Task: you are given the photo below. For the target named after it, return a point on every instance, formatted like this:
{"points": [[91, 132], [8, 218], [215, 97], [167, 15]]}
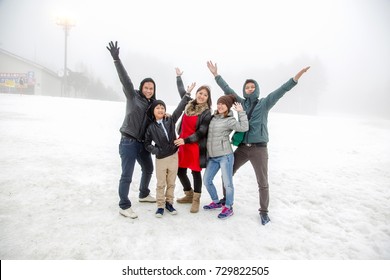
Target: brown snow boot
{"points": [[187, 198], [195, 203]]}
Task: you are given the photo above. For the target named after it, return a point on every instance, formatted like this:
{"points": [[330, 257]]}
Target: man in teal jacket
{"points": [[253, 147]]}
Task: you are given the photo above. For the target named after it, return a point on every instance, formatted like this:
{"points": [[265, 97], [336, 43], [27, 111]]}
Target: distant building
{"points": [[21, 76]]}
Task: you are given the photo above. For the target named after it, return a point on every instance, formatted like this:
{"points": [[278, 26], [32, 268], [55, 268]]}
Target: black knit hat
{"points": [[228, 100], [153, 106]]}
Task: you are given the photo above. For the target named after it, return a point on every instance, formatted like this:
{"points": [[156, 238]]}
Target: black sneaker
{"points": [[222, 201], [170, 208], [264, 218], [159, 212]]}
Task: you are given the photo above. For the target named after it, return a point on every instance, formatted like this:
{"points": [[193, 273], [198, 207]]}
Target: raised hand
{"points": [[237, 107], [213, 68], [114, 50], [178, 72], [300, 73], [190, 88]]}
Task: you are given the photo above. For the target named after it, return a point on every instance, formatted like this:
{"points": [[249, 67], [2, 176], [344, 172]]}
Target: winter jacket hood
{"points": [[148, 80], [255, 94]]}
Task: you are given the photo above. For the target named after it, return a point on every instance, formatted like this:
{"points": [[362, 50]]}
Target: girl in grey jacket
{"points": [[220, 151]]}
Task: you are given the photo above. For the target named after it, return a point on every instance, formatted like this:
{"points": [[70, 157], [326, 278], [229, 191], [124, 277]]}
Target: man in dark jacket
{"points": [[131, 147]]}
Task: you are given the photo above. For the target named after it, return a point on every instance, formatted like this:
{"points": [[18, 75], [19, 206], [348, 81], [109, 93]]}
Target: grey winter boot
{"points": [[187, 198], [195, 203]]}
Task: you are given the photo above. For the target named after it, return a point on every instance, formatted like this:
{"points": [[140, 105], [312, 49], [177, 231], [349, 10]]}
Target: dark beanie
{"points": [[153, 106], [228, 100]]}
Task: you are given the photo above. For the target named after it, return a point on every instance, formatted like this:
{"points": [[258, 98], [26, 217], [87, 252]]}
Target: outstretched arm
{"points": [[127, 84], [300, 73], [274, 96]]}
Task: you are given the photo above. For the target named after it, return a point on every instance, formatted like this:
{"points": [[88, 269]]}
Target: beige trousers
{"points": [[166, 172]]}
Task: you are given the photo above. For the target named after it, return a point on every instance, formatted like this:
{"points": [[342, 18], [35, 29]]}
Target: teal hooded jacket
{"points": [[258, 128]]}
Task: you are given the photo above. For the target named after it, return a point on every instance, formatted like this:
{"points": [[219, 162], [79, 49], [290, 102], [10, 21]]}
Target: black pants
{"points": [[185, 181]]}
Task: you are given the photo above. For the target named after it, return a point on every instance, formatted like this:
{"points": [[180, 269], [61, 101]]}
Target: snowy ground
{"points": [[59, 162]]}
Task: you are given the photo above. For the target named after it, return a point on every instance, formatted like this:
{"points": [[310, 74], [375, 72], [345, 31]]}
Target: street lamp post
{"points": [[67, 24]]}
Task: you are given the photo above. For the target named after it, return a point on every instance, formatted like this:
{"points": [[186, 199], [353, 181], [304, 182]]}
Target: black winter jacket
{"points": [[136, 118], [162, 146]]}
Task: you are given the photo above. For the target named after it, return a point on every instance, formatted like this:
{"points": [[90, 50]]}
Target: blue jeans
{"points": [[225, 163], [130, 151]]}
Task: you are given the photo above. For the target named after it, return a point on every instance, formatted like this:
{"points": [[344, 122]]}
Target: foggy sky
{"points": [[346, 42]]}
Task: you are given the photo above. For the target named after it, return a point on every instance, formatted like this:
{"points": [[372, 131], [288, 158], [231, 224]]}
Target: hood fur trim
{"points": [[193, 109]]}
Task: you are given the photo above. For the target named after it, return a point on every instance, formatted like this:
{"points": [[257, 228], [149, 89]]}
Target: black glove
{"points": [[114, 50]]}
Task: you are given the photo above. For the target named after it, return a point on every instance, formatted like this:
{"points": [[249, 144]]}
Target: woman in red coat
{"points": [[192, 142]]}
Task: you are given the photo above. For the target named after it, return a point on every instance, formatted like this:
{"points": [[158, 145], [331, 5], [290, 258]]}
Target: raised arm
{"points": [[178, 71], [180, 85], [179, 82], [128, 87], [221, 82], [242, 125]]}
